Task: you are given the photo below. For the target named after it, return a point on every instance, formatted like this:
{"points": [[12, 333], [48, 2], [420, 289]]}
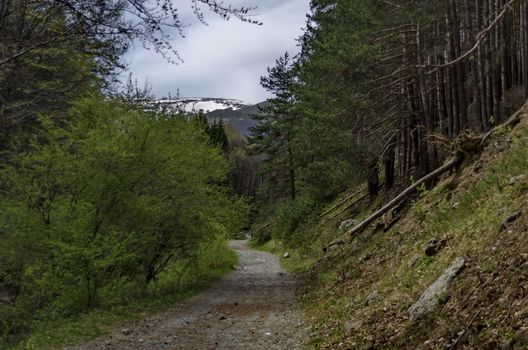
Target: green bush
{"points": [[261, 237], [95, 211], [323, 180], [292, 220]]}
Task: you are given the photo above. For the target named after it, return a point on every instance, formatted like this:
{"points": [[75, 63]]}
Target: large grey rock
{"points": [[429, 298], [347, 225]]}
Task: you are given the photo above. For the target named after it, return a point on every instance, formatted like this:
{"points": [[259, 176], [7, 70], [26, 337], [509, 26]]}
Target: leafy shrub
{"points": [[98, 209], [261, 237], [325, 179], [290, 216]]}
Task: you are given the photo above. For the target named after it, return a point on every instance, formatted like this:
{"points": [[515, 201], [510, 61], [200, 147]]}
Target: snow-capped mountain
{"points": [[233, 112], [205, 104]]}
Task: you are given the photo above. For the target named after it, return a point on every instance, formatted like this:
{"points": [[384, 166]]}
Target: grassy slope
{"points": [[56, 334], [294, 263], [467, 209]]}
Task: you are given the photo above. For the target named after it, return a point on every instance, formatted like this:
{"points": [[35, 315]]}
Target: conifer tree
{"points": [[275, 132]]}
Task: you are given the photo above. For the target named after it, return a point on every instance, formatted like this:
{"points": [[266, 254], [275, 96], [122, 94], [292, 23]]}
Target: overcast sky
{"points": [[224, 59]]}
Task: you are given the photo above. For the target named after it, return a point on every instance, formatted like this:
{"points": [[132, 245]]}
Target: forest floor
{"points": [[254, 307], [362, 295]]}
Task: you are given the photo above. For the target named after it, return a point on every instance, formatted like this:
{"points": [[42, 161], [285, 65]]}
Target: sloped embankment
{"points": [[361, 297]]}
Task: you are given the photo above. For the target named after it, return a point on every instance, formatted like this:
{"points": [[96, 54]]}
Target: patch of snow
{"points": [[194, 104]]}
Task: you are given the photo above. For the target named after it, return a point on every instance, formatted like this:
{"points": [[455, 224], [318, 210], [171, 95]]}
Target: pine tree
{"points": [[275, 132], [218, 135], [339, 142]]}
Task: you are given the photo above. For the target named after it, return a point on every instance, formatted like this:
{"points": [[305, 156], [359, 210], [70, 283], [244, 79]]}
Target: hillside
{"points": [[387, 171], [205, 104], [234, 112], [240, 119], [473, 222]]}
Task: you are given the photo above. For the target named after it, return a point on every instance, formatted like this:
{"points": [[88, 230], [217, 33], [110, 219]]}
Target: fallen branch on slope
{"points": [[406, 193], [464, 144], [402, 196], [514, 120], [348, 206], [340, 203]]}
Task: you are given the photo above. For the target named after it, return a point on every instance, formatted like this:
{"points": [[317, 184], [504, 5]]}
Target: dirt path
{"points": [[251, 308]]}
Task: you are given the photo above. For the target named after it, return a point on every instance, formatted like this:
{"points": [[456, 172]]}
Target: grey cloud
{"points": [[225, 59]]}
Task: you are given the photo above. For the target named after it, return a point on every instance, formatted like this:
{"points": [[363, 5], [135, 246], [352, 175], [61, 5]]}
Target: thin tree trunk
{"points": [[291, 169], [524, 43]]}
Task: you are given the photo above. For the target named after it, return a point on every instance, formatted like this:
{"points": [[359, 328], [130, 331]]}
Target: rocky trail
{"points": [[254, 307]]}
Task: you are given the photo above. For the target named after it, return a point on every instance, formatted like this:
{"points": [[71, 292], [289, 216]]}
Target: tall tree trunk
{"points": [[524, 43], [462, 122], [477, 89], [452, 90], [442, 114], [291, 170], [389, 162], [373, 180]]}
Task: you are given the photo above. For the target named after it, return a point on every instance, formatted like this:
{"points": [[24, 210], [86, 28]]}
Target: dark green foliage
{"points": [[291, 220], [275, 132], [261, 237], [319, 133], [323, 179], [335, 68], [216, 131], [218, 135], [244, 176], [45, 78], [201, 121], [101, 207]]}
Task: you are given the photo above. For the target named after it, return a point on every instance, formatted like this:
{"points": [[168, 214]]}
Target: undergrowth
{"points": [[467, 209], [294, 262], [179, 282]]}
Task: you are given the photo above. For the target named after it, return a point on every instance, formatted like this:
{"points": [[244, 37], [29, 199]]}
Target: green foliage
{"points": [[98, 209], [291, 218], [320, 132], [46, 65], [322, 180], [261, 237], [176, 283], [218, 135], [295, 262], [216, 131], [275, 132]]}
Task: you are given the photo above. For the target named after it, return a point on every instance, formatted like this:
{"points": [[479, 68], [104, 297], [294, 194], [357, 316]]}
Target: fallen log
{"points": [[453, 162], [265, 226], [464, 144], [511, 122], [339, 204], [348, 206]]}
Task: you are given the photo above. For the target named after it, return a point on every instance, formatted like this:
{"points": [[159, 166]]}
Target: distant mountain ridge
{"points": [[206, 104], [234, 112], [241, 119]]}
